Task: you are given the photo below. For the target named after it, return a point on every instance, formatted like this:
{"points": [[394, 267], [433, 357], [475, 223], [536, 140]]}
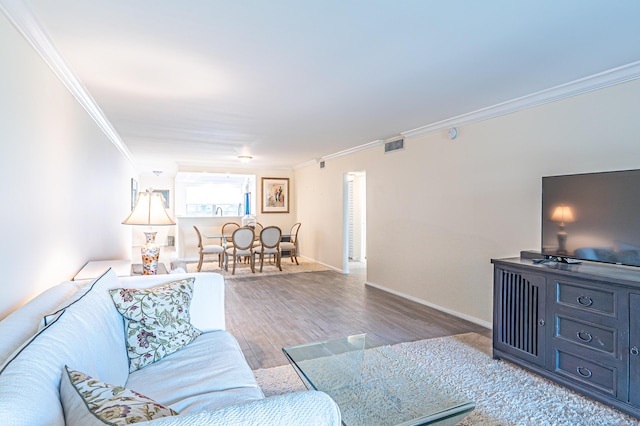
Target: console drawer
{"points": [[586, 298], [595, 375], [584, 333]]}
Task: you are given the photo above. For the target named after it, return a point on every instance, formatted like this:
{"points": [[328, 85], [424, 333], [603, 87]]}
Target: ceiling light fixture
{"points": [[244, 159]]}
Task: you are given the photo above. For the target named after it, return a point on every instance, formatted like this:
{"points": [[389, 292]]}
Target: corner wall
{"points": [[440, 210], [65, 186]]}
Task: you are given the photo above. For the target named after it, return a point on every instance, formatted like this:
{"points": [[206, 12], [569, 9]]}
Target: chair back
{"points": [[199, 236], [243, 238], [258, 230], [228, 229], [270, 237], [294, 232]]}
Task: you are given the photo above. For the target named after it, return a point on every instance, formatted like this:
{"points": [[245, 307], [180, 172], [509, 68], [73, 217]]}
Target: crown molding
{"points": [[305, 164], [23, 19], [349, 151], [587, 84], [577, 87]]}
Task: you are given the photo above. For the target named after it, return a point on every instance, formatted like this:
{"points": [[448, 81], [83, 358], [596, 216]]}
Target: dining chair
{"points": [[258, 231], [208, 250], [292, 245], [227, 233], [241, 245], [270, 245]]}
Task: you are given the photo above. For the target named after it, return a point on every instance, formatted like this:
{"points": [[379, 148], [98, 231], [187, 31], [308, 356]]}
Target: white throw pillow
{"points": [[87, 401], [157, 321]]}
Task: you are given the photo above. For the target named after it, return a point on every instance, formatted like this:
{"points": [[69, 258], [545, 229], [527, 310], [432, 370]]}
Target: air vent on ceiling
{"points": [[394, 145]]}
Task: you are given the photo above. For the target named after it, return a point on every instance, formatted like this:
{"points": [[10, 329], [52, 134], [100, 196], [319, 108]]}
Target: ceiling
{"points": [[201, 82]]}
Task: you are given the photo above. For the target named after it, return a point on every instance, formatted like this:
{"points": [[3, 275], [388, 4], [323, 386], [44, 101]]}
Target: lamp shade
{"points": [[562, 214], [149, 210]]}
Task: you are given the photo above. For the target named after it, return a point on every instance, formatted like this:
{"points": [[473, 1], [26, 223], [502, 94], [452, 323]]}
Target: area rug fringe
{"points": [[504, 394]]}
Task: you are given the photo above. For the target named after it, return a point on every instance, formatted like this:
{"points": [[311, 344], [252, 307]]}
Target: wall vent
{"points": [[322, 164], [394, 145]]}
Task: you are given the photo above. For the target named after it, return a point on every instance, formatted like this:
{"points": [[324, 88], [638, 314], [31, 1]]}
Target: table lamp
{"points": [[562, 214], [149, 210]]}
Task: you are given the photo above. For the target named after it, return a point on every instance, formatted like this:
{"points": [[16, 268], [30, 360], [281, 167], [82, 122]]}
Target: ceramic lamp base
{"points": [[150, 254]]}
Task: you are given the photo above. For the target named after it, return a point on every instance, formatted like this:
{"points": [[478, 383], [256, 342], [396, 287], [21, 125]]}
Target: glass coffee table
{"points": [[376, 386]]}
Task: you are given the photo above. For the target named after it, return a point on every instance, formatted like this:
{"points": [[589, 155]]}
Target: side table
{"points": [[136, 269], [122, 268], [92, 270]]}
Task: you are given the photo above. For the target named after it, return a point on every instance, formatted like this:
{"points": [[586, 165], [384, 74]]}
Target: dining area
{"points": [[253, 246]]}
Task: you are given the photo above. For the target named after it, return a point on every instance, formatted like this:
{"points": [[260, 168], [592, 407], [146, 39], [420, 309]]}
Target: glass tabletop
{"points": [[376, 386]]}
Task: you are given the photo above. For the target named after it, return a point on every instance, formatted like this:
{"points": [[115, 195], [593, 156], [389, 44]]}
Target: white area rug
{"points": [[503, 393]]}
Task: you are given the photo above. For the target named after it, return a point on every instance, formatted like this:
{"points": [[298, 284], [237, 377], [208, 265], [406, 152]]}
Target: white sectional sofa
{"points": [[205, 382]]}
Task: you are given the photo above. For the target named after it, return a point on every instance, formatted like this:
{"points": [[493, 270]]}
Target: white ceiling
{"points": [[200, 82]]}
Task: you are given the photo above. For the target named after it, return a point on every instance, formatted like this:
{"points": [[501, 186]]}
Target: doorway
{"points": [[355, 223]]}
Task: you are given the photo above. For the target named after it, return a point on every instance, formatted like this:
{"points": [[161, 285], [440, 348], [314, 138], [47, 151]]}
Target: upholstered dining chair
{"points": [[258, 230], [270, 245], [292, 245], [241, 245], [208, 249], [227, 233]]}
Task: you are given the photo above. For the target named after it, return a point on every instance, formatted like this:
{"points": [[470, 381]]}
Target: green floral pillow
{"points": [[106, 404], [157, 321]]}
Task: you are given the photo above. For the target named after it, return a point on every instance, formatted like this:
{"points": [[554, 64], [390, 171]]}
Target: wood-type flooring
{"points": [[265, 313]]}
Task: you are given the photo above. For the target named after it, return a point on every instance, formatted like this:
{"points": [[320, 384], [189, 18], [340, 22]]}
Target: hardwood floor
{"points": [[269, 312]]}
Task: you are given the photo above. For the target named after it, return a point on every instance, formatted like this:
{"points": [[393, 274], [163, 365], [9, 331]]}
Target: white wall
{"points": [[65, 187], [438, 211]]}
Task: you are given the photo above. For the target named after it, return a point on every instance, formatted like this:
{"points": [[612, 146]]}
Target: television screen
{"points": [[594, 216]]}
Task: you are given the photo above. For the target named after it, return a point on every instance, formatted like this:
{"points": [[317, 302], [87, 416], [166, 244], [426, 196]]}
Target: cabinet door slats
{"points": [[520, 312]]}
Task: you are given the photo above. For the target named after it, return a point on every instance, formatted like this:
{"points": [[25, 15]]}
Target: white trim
{"points": [[587, 84], [33, 31], [306, 164], [345, 223], [434, 306], [333, 268], [348, 151]]}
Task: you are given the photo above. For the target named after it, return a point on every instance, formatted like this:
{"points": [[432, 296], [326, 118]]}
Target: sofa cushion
{"points": [[89, 335], [210, 373], [157, 321], [26, 344], [23, 324], [87, 401]]}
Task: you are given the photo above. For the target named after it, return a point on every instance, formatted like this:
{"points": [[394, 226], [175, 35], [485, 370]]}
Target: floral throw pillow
{"points": [[157, 320], [106, 404]]}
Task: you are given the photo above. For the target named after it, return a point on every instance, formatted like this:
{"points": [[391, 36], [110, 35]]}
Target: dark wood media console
{"points": [[575, 324]]}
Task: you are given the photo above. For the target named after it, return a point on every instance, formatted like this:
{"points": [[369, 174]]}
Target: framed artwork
{"points": [[134, 192], [275, 195], [165, 194]]}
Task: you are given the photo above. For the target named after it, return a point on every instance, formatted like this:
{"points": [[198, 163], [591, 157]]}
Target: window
{"points": [[214, 194]]}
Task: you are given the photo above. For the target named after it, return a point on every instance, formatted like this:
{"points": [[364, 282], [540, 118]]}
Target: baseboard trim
{"points": [[333, 268], [469, 318]]}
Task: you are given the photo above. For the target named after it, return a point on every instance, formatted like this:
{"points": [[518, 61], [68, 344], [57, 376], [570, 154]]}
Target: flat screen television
{"points": [[593, 216]]}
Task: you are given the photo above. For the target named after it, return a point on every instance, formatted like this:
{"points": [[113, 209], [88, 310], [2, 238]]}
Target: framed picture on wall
{"points": [[275, 195], [165, 194], [134, 192]]}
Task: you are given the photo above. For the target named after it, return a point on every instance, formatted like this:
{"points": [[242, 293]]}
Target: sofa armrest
{"points": [[207, 305], [298, 408]]}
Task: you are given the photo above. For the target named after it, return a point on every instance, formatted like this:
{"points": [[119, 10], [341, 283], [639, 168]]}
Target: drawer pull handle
{"points": [[635, 351], [584, 372], [584, 336], [585, 300]]}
